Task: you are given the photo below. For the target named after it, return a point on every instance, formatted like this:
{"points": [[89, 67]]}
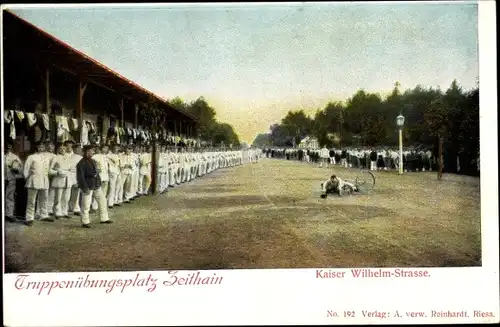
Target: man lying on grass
{"points": [[338, 186]]}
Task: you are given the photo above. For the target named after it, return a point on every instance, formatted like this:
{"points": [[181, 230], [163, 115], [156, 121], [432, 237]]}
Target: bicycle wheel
{"points": [[365, 181]]}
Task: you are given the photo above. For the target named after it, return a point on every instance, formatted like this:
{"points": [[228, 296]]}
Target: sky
{"points": [[253, 63]]}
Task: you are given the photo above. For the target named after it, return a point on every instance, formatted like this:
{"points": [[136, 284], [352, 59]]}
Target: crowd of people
{"points": [[61, 181], [364, 158]]}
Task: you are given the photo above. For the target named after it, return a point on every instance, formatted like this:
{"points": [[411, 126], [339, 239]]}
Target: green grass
{"points": [[268, 215]]}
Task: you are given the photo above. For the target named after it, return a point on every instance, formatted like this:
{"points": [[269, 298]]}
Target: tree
{"points": [[262, 140], [153, 115], [436, 117], [449, 120], [297, 125]]}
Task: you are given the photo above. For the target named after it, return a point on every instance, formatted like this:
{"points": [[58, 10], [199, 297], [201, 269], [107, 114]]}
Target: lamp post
{"points": [[400, 120]]}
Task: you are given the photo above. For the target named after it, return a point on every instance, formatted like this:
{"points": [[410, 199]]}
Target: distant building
{"points": [[309, 143]]}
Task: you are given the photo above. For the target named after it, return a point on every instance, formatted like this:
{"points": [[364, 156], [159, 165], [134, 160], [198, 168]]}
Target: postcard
{"points": [[250, 163]]}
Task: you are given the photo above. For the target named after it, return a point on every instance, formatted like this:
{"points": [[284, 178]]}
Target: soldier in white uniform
{"points": [[101, 159], [336, 185], [50, 154], [182, 162], [36, 174], [172, 167], [145, 170], [13, 169], [161, 168], [114, 175], [74, 201], [324, 157], [61, 181], [136, 153], [121, 177], [127, 162]]}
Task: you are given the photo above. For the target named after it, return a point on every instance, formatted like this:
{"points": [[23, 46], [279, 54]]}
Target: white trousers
{"points": [[104, 188], [163, 180], [144, 184], [102, 206], [126, 186], [36, 196], [134, 184], [51, 200], [112, 187], [10, 197], [373, 165], [61, 201], [171, 177], [74, 201], [119, 189]]}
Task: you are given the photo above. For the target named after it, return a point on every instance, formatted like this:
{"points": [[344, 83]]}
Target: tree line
{"points": [[209, 129], [432, 118]]}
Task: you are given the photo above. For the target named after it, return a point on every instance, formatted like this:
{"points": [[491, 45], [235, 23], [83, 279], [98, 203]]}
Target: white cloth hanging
{"points": [[20, 115], [62, 126], [46, 121], [74, 124], [84, 134], [31, 119], [7, 116], [9, 119]]}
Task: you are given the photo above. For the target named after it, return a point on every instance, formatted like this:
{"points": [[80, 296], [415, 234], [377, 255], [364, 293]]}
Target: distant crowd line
{"points": [[373, 159]]}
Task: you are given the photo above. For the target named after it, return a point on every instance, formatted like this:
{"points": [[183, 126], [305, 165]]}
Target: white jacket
{"points": [[113, 163], [75, 159], [36, 172], [127, 164], [60, 170], [102, 166], [12, 161], [145, 164]]}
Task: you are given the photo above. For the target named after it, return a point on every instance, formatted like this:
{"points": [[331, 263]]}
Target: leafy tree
{"points": [[432, 118]]}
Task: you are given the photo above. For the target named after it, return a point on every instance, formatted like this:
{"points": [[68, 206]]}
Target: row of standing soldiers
{"points": [[49, 184]]}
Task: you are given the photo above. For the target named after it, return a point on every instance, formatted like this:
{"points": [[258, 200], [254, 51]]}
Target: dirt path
{"points": [[268, 215]]}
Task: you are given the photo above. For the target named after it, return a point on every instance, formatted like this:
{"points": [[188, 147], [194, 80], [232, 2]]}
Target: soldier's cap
{"points": [[48, 142], [88, 147], [39, 143], [68, 142]]}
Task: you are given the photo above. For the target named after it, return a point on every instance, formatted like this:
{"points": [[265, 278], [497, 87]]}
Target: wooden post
{"points": [[154, 177], [81, 91], [122, 118], [47, 91], [136, 114], [440, 157]]}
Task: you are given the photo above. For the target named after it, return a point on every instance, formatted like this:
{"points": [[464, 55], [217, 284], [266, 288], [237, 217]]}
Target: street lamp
{"points": [[400, 120]]}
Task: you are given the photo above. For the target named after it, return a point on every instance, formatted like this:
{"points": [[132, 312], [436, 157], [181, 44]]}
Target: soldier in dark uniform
{"points": [[373, 160], [418, 161], [380, 161], [301, 154], [343, 158], [332, 157], [337, 158]]}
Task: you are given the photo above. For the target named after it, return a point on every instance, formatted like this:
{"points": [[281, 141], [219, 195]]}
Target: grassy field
{"points": [[268, 215]]}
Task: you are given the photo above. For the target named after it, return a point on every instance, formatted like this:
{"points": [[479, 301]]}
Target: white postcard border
{"points": [[292, 296]]}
